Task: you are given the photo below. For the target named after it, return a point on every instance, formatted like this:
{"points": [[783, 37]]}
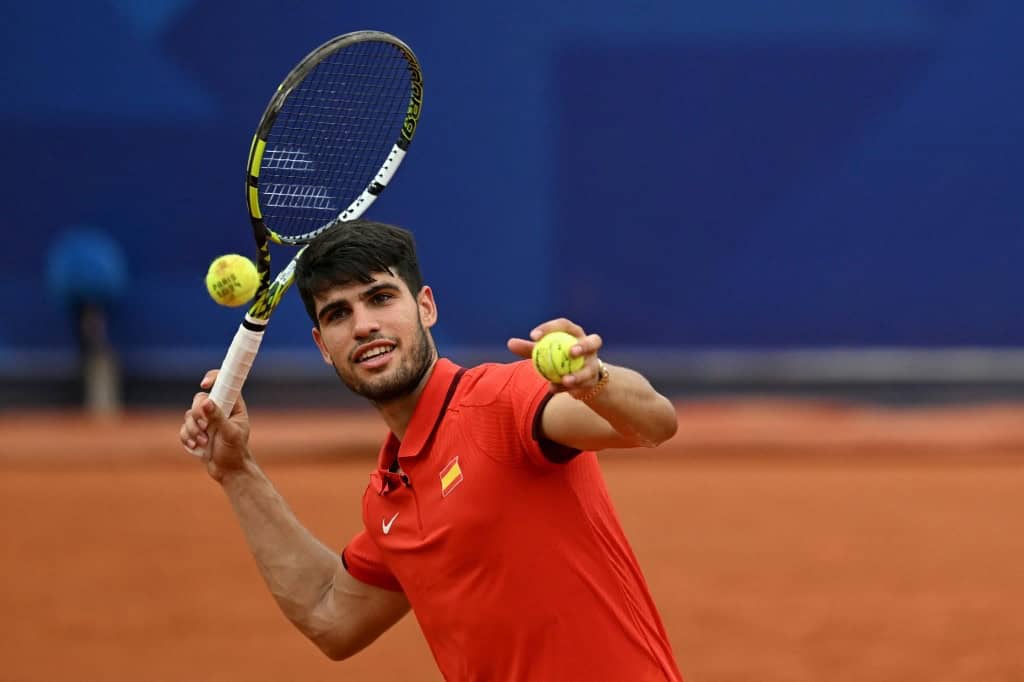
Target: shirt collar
{"points": [[425, 415]]}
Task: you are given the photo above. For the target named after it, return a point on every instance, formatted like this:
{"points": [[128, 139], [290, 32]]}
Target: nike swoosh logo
{"points": [[386, 525]]}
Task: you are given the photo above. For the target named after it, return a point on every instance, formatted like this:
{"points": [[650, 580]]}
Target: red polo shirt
{"points": [[516, 567]]}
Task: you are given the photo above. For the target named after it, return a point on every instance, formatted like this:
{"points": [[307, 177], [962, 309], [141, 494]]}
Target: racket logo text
{"points": [[412, 114]]}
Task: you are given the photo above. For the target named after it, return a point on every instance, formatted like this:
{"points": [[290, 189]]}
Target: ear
{"points": [[427, 306], [319, 341]]}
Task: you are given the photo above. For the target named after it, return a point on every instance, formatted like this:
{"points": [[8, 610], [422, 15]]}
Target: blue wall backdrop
{"points": [[669, 173]]}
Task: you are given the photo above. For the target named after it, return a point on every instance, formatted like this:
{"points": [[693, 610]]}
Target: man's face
{"points": [[375, 335]]}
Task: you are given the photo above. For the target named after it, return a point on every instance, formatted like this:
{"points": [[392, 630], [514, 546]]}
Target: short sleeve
{"points": [[503, 406], [363, 562], [529, 393]]}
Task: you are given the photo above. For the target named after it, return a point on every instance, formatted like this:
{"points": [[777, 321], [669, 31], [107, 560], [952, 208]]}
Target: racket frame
{"points": [[244, 347]]}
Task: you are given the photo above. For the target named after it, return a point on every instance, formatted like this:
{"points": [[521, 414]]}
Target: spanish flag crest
{"points": [[451, 477]]}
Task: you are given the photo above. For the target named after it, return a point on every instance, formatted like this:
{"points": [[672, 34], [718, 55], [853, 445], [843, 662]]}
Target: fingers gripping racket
{"points": [[330, 140]]}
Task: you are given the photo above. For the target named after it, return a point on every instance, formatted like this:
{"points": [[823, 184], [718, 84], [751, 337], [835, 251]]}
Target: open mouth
{"points": [[375, 352]]}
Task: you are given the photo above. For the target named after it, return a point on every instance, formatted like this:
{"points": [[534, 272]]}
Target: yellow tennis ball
{"points": [[232, 280], [551, 356]]}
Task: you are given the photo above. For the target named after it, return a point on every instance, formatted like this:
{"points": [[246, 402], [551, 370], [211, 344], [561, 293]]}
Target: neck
{"points": [[398, 412]]}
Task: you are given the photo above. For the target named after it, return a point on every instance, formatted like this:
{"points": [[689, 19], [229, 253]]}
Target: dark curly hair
{"points": [[352, 251]]}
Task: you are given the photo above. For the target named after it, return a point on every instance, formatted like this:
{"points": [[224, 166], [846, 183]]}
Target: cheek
{"points": [[411, 335], [326, 355], [330, 346]]}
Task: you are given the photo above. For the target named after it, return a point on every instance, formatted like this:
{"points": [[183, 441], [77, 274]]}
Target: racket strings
{"points": [[332, 135]]}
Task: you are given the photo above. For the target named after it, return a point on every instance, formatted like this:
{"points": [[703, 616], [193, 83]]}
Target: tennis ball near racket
{"points": [[232, 280], [551, 356]]}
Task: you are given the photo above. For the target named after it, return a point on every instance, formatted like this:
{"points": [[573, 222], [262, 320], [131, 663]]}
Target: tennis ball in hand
{"points": [[551, 356], [232, 280]]}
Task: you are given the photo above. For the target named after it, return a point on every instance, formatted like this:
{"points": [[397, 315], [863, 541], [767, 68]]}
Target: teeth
{"points": [[375, 352]]}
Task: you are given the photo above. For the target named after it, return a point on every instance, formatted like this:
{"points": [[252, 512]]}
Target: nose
{"points": [[365, 322]]}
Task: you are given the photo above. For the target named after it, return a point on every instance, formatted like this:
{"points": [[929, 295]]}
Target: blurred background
{"points": [[800, 195], [802, 219]]}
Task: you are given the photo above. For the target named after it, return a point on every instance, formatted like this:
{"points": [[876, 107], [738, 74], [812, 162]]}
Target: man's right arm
{"points": [[340, 614]]}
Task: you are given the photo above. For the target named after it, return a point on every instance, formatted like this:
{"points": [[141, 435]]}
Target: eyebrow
{"points": [[343, 302]]}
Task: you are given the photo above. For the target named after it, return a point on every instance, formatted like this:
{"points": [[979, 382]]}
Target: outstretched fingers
{"points": [[521, 347], [207, 381], [193, 433], [590, 373], [560, 324], [588, 345]]}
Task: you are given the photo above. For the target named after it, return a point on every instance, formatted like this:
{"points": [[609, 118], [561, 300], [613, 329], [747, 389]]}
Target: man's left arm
{"points": [[600, 406]]}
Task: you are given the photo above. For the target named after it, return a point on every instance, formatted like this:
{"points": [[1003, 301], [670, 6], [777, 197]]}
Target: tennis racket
{"points": [[329, 142]]}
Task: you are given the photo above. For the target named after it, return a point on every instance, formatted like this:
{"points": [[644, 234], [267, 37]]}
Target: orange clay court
{"points": [[782, 541]]}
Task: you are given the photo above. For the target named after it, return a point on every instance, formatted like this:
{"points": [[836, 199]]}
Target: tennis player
{"points": [[486, 513]]}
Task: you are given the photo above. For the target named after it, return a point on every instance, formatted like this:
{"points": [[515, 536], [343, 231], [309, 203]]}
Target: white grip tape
{"points": [[235, 368]]}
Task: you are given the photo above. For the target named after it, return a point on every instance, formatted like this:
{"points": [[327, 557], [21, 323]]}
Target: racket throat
{"points": [[254, 325]]}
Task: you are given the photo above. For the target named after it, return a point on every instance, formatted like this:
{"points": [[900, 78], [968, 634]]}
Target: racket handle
{"points": [[236, 366], [234, 370]]}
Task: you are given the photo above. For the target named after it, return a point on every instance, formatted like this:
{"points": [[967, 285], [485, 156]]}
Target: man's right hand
{"points": [[207, 433]]}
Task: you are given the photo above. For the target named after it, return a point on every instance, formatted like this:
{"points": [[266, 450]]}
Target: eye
{"points": [[337, 314], [382, 297]]}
